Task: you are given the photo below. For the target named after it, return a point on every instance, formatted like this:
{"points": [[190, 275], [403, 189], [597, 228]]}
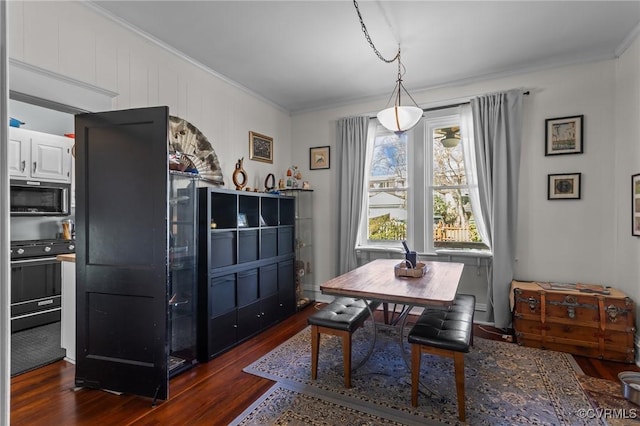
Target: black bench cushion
{"points": [[344, 313], [446, 328]]}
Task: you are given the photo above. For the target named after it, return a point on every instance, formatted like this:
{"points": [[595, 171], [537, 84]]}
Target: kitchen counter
{"points": [[68, 318]]}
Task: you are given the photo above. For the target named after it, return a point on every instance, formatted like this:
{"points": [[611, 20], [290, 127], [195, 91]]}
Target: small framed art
{"points": [[563, 135], [260, 147], [635, 205], [319, 157], [564, 186], [242, 220]]}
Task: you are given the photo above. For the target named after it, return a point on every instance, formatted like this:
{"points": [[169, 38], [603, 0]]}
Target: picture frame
{"points": [[564, 135], [320, 158], [260, 147], [635, 205], [565, 186], [242, 220]]}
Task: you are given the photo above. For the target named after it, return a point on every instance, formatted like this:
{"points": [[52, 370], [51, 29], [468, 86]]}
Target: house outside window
{"points": [[387, 188], [416, 188]]}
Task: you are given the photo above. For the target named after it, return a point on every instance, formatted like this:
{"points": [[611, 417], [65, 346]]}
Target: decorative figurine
{"points": [[239, 171], [270, 182]]}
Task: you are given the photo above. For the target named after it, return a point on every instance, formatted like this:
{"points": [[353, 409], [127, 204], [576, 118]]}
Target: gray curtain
{"points": [[351, 154], [497, 127]]}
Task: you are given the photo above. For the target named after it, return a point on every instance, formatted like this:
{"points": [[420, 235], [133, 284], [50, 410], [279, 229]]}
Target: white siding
{"points": [[73, 40]]}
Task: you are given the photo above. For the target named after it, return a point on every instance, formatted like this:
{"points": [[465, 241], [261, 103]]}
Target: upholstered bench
{"points": [[340, 318], [444, 332]]}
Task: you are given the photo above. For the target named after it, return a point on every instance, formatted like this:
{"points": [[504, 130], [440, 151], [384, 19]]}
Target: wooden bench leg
{"points": [[416, 354], [346, 356], [315, 348], [458, 362]]}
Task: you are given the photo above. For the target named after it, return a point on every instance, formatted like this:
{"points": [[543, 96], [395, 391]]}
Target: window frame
{"points": [[363, 231], [420, 185]]}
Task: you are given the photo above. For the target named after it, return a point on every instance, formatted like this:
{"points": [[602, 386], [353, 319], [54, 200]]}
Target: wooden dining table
{"points": [[377, 281]]}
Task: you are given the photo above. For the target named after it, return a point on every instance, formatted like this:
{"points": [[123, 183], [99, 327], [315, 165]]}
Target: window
{"points": [[387, 188], [417, 189]]}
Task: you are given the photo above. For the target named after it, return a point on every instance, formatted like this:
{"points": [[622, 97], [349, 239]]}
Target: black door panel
{"points": [[121, 251]]}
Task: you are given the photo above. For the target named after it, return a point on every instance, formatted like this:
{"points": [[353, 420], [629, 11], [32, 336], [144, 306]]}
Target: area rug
{"points": [[35, 347], [285, 405], [505, 384], [608, 402]]}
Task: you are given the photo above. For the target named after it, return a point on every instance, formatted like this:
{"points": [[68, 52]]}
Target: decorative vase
{"points": [[239, 171]]}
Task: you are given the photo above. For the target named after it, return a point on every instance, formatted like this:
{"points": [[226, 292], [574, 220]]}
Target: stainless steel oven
{"points": [[35, 198], [36, 282]]}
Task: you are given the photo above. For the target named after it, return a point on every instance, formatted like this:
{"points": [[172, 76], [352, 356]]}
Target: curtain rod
{"points": [[447, 106]]}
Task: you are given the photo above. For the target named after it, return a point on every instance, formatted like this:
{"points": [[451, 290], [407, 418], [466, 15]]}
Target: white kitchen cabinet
{"points": [[39, 156]]}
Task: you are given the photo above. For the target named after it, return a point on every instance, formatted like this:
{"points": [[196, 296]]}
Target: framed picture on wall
{"points": [[564, 135], [319, 158], [564, 186], [260, 147], [635, 205]]}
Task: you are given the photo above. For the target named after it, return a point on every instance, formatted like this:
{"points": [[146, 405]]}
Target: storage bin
{"points": [[268, 280], [223, 249], [285, 240], [268, 243], [247, 287], [222, 294], [248, 246]]}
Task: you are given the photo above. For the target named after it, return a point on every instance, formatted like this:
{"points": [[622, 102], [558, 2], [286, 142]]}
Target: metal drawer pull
{"points": [[613, 313], [45, 302]]}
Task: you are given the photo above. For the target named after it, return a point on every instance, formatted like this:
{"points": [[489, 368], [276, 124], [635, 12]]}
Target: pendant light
{"points": [[398, 118]]}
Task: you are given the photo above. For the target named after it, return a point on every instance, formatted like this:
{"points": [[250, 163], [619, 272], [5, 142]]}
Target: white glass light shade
{"points": [[399, 119]]}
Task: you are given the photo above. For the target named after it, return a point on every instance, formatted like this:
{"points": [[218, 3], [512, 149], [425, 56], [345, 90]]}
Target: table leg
{"points": [[373, 341]]}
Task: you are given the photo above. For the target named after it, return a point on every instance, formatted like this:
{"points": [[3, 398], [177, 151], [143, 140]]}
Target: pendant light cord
{"points": [[368, 37]]}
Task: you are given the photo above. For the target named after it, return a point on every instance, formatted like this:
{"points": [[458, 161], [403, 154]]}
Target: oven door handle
{"points": [[33, 260]]}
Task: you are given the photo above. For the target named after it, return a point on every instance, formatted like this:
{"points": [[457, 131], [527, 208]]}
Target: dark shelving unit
{"points": [[246, 266]]}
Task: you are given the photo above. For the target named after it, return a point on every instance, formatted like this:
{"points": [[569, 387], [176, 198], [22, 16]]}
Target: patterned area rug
{"points": [[505, 385], [608, 402]]}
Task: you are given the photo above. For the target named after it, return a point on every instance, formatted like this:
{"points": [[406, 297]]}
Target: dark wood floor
{"points": [[213, 393]]}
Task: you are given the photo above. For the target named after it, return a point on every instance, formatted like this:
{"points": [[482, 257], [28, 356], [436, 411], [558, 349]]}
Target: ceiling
{"points": [[307, 55]]}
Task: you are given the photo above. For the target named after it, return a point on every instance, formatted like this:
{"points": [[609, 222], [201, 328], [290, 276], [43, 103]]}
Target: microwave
{"points": [[35, 198]]}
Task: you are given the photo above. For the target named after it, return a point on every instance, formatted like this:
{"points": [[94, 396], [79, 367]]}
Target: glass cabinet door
{"points": [[183, 264], [304, 263]]}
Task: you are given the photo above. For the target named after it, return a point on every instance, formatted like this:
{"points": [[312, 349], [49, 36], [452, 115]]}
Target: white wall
{"points": [[565, 241], [72, 40], [626, 273], [585, 240]]}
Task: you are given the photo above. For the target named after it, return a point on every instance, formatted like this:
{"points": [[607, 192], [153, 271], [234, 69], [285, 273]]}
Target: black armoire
{"points": [[124, 295]]}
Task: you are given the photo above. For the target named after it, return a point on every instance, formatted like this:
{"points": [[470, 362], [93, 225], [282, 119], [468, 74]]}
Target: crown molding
{"points": [[172, 50]]}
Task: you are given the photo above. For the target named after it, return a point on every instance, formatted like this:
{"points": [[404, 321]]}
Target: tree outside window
{"points": [[387, 188], [453, 219]]}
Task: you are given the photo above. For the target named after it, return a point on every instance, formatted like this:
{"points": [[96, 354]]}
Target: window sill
{"points": [[485, 254]]}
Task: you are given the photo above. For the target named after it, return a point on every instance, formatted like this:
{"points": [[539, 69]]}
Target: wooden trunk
{"points": [[587, 324]]}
